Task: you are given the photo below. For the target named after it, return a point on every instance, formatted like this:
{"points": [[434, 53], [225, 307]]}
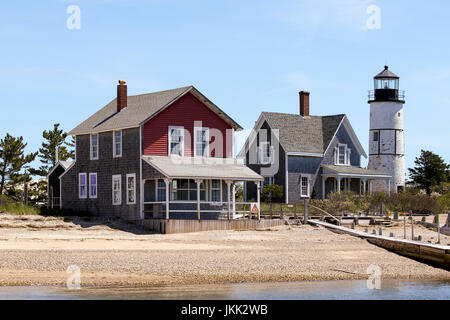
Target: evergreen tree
{"points": [[54, 139], [13, 160], [430, 170]]}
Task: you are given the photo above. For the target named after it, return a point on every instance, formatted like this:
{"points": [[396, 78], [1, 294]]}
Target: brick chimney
{"points": [[121, 95], [304, 103]]}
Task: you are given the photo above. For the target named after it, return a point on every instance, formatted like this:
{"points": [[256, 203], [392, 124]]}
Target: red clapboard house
{"points": [[166, 154]]}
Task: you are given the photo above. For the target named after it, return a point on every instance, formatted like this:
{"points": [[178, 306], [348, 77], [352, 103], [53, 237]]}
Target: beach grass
{"points": [[16, 208]]}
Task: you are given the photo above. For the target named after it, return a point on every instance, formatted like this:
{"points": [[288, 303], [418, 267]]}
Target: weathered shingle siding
{"points": [[298, 166], [105, 167], [279, 168]]}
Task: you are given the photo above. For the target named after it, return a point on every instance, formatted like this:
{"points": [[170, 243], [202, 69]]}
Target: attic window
{"points": [[342, 155]]}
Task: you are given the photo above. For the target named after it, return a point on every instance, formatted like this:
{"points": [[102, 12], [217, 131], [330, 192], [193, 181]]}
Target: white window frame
{"points": [[92, 147], [90, 185], [170, 139], [347, 152], [115, 176], [133, 175], [201, 129], [301, 186], [80, 196], [261, 154], [115, 155]]}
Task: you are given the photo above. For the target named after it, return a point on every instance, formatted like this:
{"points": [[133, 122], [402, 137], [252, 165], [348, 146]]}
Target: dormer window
{"points": [[117, 144], [265, 153], [94, 146], [201, 142], [342, 155]]}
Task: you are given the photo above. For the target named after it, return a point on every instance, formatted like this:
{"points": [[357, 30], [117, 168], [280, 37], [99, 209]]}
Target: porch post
{"points": [[198, 198], [323, 187], [167, 182], [229, 198], [258, 198], [233, 194], [339, 184], [364, 180]]}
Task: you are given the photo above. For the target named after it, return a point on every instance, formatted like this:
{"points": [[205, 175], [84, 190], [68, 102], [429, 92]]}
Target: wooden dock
{"points": [[184, 226], [433, 254]]}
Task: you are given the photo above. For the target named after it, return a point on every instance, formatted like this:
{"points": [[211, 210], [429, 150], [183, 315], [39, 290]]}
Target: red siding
{"points": [[183, 113]]}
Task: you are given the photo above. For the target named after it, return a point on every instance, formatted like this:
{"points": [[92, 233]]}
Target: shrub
{"points": [[272, 193]]}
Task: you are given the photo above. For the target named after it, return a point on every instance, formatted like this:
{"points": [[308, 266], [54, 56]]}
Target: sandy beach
{"points": [[37, 250]]}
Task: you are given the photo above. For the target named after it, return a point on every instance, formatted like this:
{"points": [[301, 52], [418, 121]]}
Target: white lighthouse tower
{"points": [[386, 138]]}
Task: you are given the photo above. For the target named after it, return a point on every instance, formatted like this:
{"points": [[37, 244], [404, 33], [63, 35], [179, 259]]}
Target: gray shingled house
{"points": [[306, 154]]}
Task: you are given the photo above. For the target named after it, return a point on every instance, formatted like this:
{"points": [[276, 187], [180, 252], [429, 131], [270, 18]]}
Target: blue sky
{"points": [[246, 56]]}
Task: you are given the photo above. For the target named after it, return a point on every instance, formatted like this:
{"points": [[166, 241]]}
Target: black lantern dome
{"points": [[386, 87]]}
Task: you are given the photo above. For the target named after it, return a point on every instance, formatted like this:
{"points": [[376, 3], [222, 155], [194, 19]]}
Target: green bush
{"points": [[272, 193]]}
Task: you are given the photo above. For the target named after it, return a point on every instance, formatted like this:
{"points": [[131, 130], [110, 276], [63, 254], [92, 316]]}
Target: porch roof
{"points": [[201, 168], [352, 171]]}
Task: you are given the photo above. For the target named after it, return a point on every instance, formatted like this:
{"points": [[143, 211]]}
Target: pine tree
{"points": [[54, 139], [13, 160], [430, 170]]}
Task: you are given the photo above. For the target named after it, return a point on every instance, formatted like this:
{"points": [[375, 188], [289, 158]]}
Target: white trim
{"points": [[114, 144], [305, 154], [196, 129], [170, 139], [115, 176], [85, 185], [91, 146], [131, 175], [90, 184]]}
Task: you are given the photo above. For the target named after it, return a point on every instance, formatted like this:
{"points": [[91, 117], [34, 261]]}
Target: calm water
{"points": [[354, 289]]}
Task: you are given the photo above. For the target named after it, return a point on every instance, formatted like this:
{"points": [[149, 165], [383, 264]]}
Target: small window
{"points": [[304, 186], [176, 141], [161, 190], [94, 146], [268, 181], [116, 189], [82, 186], [265, 153], [131, 188], [92, 185], [201, 138], [215, 190], [117, 146], [376, 136]]}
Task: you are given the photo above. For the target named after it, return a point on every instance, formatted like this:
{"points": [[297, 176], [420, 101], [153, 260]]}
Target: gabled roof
{"points": [[304, 135], [141, 108]]}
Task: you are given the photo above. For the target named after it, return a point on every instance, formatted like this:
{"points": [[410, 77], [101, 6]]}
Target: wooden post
{"points": [[198, 198], [167, 182], [306, 211], [228, 198], [404, 226]]}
